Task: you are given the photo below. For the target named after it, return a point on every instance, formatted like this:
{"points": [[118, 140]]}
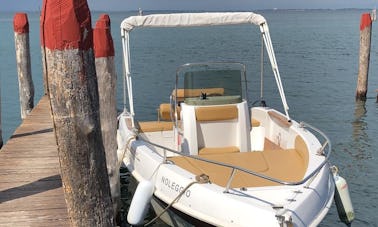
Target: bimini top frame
{"points": [[196, 20]]}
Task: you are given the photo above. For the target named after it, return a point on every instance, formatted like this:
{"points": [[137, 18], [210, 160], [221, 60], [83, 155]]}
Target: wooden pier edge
{"points": [[31, 191]]}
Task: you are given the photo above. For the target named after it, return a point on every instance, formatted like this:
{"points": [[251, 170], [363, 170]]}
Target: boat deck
{"points": [[288, 165], [31, 191]]}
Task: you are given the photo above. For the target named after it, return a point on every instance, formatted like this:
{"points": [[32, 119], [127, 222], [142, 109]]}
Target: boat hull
{"points": [[302, 205]]}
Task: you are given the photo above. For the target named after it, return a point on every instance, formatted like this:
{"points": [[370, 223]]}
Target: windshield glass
{"points": [[210, 83]]}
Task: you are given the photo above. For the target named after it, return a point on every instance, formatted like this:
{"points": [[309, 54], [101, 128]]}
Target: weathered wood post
{"points": [[72, 83], [363, 69], [107, 78], [25, 82]]}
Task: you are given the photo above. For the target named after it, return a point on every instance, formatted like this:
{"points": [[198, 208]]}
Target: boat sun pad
{"points": [[283, 164]]}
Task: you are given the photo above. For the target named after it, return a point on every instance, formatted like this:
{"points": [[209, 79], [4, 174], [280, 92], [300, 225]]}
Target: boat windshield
{"points": [[210, 83]]}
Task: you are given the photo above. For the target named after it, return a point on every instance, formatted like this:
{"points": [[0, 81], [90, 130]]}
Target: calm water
{"points": [[317, 53]]}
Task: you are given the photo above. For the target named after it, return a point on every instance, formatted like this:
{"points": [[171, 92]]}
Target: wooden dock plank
{"points": [[31, 191]]}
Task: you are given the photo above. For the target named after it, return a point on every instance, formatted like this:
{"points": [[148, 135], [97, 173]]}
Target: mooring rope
{"points": [[125, 150]]}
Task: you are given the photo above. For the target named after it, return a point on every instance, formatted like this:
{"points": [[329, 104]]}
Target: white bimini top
{"points": [[191, 20]]}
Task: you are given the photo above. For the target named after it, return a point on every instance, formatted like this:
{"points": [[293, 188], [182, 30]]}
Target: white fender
{"points": [[140, 203], [342, 200]]}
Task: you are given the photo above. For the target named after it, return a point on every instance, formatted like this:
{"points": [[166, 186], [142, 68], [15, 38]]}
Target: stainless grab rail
{"points": [[326, 144]]}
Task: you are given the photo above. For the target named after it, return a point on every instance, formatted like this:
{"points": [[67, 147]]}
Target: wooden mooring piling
{"points": [[107, 81], [25, 82], [364, 55], [73, 92]]}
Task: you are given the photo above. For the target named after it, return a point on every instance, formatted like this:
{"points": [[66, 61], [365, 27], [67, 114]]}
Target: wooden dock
{"points": [[31, 191]]}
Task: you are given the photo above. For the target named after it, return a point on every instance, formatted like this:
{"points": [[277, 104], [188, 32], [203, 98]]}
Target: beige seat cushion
{"points": [[155, 126], [165, 112], [216, 113], [218, 150]]}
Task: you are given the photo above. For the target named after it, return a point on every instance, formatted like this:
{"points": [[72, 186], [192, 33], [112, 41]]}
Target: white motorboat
{"points": [[212, 158]]}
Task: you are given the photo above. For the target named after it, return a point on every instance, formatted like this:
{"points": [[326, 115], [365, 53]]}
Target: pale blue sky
{"points": [[221, 5]]}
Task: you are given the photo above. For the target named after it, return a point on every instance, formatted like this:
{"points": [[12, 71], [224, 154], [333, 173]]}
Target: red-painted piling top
{"points": [[21, 23], [102, 38], [103, 21], [66, 26], [365, 21]]}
